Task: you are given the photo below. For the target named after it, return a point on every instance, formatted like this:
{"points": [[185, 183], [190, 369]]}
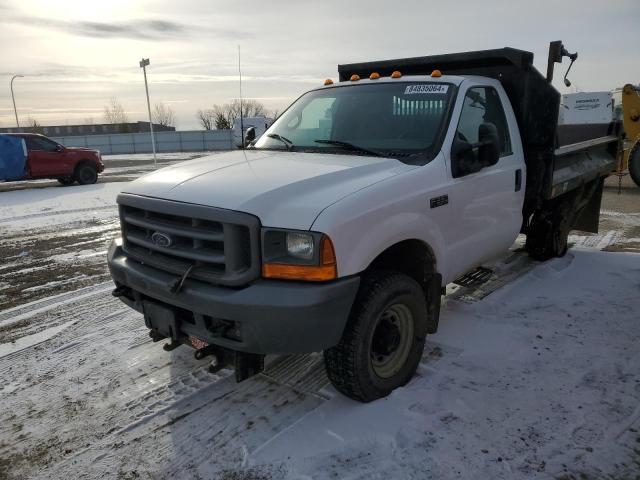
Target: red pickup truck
{"points": [[49, 159]]}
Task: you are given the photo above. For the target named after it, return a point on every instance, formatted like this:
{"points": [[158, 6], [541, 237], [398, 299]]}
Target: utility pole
{"points": [[143, 64], [241, 119], [14, 99]]}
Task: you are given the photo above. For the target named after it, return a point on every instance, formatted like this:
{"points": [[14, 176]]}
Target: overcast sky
{"points": [[76, 54]]}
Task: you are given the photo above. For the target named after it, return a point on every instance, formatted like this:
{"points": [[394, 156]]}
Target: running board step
{"points": [[474, 278]]}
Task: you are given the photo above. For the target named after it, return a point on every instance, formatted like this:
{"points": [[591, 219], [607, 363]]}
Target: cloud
{"points": [[137, 29]]}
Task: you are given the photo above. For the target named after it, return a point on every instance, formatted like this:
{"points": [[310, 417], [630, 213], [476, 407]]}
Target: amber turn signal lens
{"points": [[436, 73], [354, 78], [308, 273], [374, 76], [396, 74], [327, 270], [328, 81], [327, 253]]}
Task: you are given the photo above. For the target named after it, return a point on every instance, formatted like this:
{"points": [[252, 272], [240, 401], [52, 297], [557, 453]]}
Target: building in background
{"points": [[90, 129]]}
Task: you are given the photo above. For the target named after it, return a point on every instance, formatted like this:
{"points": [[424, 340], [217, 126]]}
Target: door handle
{"points": [[518, 179]]}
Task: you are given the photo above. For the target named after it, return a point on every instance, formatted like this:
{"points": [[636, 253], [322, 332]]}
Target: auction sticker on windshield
{"points": [[426, 88]]}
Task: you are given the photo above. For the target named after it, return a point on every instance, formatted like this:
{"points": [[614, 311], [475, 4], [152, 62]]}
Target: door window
{"points": [[41, 144], [483, 105]]}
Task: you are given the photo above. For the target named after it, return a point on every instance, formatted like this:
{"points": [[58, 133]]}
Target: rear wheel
{"points": [[86, 174], [634, 164], [383, 340], [66, 181], [547, 237]]}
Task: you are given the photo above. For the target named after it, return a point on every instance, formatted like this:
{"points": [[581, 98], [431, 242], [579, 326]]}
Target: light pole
{"points": [[143, 64], [14, 98]]}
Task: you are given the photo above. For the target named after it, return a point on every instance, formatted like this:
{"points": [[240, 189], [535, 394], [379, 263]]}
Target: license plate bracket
{"points": [[161, 319]]}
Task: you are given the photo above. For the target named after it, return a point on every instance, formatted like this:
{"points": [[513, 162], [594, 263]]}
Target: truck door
{"points": [[486, 204], [45, 158]]}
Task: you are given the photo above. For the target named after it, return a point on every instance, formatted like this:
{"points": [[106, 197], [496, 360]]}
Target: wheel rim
{"points": [[86, 174], [392, 339]]}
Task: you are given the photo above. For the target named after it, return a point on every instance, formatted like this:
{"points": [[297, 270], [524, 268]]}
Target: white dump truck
{"points": [[339, 228]]}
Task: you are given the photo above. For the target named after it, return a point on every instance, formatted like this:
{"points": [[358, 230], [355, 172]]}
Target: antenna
{"points": [[241, 119]]}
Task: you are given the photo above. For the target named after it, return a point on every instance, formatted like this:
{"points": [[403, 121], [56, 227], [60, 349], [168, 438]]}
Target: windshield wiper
{"points": [[350, 146], [288, 143]]}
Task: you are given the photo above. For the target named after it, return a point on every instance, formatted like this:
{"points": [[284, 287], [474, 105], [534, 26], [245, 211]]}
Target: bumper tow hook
{"points": [[204, 352], [167, 347], [120, 291]]}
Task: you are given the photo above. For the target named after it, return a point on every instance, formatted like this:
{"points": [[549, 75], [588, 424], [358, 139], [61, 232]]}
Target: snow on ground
{"points": [[539, 379], [148, 157], [24, 209], [534, 374]]}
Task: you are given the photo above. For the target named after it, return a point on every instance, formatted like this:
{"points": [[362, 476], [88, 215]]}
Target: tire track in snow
{"points": [[58, 212], [102, 386]]}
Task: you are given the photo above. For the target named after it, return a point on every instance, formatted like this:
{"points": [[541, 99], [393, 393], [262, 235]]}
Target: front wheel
{"points": [[383, 340], [86, 174]]}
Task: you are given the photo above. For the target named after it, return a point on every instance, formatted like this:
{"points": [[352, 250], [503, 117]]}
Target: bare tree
{"points": [[206, 119], [114, 113], [222, 116], [163, 115]]}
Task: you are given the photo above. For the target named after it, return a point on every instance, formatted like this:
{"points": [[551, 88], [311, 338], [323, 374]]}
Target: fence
{"points": [[188, 141]]}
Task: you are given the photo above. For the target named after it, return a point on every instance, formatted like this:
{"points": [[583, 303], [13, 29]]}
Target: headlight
{"points": [[297, 255], [300, 245]]}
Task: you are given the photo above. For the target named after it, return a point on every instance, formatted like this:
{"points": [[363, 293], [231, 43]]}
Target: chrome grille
{"points": [[220, 245]]}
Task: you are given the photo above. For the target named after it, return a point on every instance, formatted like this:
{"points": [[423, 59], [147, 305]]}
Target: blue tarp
{"points": [[13, 158]]}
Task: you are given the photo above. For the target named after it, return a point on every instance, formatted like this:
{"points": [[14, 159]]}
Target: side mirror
{"points": [[250, 136], [59, 148], [469, 158], [488, 145]]}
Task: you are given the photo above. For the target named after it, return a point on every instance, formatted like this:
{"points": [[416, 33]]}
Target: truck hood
{"points": [[283, 189]]}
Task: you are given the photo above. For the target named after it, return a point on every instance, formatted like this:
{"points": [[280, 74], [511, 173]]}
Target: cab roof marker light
{"points": [[436, 74], [396, 74], [374, 76], [354, 78], [328, 81]]}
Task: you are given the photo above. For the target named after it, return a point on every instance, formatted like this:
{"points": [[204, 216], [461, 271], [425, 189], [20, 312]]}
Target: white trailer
{"points": [[259, 123]]}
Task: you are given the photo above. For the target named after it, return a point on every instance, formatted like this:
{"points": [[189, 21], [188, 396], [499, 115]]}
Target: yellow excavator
{"points": [[630, 157]]}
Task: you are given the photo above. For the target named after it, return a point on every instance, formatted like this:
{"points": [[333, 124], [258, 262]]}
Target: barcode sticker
{"points": [[426, 88]]}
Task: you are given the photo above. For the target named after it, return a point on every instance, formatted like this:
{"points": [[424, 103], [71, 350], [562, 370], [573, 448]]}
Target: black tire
{"points": [[66, 181], [634, 164], [356, 366], [547, 239], [86, 174]]}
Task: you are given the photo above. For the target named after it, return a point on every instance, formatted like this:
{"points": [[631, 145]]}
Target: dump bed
{"points": [[552, 168]]}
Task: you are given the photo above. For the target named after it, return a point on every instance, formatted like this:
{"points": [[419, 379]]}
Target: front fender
{"points": [[366, 223]]}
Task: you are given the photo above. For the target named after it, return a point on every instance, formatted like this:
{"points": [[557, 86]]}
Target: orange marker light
{"points": [[396, 74], [354, 78], [328, 81], [374, 76], [436, 73]]}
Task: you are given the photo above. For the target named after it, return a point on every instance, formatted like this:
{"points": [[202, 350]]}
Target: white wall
{"points": [[188, 141]]}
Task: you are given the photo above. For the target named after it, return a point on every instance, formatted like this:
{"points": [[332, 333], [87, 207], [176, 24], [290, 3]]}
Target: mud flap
{"points": [[434, 290], [589, 217]]}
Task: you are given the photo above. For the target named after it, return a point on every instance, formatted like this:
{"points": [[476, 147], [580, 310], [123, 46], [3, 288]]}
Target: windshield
{"points": [[402, 120]]}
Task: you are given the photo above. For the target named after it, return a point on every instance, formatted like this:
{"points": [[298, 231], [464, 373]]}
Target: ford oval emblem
{"points": [[161, 239]]}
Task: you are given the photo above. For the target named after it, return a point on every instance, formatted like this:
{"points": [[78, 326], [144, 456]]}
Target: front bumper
{"points": [[273, 316]]}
